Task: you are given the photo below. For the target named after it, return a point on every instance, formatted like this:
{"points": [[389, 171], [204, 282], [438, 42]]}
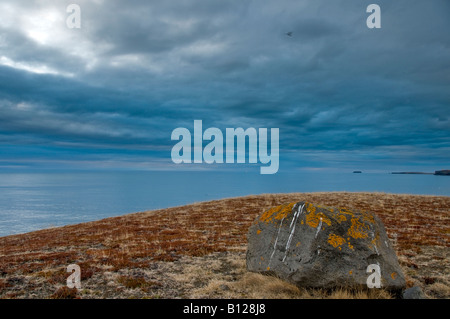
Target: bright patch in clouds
{"points": [[44, 26], [33, 68]]}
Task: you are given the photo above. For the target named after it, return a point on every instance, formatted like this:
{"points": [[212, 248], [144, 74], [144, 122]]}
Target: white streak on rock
{"points": [[318, 228], [292, 229], [297, 213], [275, 244], [374, 245]]}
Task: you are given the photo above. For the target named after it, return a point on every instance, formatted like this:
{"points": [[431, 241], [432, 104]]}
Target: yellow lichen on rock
{"points": [[313, 218], [341, 218], [277, 213], [358, 230], [367, 217], [376, 239], [336, 240], [345, 211], [310, 208]]}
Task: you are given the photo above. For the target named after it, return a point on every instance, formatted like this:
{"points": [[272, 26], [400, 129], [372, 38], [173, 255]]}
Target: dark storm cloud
{"points": [[138, 69]]}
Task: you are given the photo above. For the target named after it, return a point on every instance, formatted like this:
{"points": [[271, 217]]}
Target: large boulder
{"points": [[318, 247]]}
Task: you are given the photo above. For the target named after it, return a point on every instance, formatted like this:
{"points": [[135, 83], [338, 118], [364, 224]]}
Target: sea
{"points": [[36, 200]]}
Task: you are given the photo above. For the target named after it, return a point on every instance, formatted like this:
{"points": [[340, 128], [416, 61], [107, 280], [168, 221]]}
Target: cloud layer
{"points": [[341, 94]]}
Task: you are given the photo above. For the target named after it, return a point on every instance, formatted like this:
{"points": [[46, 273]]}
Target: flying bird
{"points": [[289, 34]]}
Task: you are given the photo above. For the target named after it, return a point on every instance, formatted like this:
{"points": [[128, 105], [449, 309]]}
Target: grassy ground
{"points": [[198, 251]]}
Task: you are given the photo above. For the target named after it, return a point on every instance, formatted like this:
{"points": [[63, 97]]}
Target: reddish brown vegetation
{"points": [[65, 293], [137, 240]]}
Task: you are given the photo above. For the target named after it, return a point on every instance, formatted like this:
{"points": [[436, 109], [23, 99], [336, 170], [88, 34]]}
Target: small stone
{"points": [[224, 287], [414, 293]]}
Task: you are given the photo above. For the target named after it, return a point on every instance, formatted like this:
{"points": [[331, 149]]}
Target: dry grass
{"points": [[189, 251]]}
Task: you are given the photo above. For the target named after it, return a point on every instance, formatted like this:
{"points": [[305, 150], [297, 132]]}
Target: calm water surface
{"points": [[32, 201]]}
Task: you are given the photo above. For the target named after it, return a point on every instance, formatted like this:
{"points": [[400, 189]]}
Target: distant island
{"points": [[442, 172], [412, 173], [357, 172]]}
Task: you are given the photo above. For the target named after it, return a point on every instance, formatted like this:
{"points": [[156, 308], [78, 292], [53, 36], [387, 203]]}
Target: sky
{"points": [[109, 94]]}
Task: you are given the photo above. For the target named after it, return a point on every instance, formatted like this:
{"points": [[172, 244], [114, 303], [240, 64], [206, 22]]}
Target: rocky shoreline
{"points": [[442, 173]]}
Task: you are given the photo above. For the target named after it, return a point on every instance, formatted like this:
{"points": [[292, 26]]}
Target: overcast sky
{"points": [[109, 95]]}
